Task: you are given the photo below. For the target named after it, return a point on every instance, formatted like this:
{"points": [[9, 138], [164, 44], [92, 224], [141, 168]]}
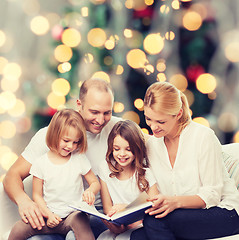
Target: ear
{"points": [[180, 113], [79, 105]]}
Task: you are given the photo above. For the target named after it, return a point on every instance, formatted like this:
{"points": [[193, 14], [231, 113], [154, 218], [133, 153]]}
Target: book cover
{"points": [[133, 212]]}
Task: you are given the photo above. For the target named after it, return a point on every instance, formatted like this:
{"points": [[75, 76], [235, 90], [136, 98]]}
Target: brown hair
{"points": [[132, 133], [60, 123], [165, 98], [97, 83]]}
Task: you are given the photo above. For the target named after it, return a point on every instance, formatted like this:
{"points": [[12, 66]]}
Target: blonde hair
{"points": [[132, 133], [60, 123], [165, 98]]}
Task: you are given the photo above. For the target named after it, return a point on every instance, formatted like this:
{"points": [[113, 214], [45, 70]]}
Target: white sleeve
{"points": [[150, 177], [36, 168], [84, 163], [211, 170], [36, 147], [104, 171]]}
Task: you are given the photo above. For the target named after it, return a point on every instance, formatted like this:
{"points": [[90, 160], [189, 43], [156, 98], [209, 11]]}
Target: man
{"points": [[95, 104]]}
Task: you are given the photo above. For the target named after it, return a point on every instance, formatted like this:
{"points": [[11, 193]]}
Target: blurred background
{"points": [[47, 48]]}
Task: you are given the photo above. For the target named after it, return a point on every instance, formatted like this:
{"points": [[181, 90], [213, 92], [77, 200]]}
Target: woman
{"points": [[197, 199]]}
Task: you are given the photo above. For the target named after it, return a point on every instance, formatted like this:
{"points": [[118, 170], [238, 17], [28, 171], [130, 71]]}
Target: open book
{"points": [[131, 213]]}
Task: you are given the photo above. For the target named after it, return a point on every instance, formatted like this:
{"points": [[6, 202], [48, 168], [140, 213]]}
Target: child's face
{"points": [[121, 152], [68, 142]]}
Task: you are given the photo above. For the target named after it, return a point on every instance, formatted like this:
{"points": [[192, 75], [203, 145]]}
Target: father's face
{"points": [[96, 109]]}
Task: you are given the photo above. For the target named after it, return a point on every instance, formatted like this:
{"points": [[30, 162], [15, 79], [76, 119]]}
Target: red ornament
{"points": [[194, 71]]}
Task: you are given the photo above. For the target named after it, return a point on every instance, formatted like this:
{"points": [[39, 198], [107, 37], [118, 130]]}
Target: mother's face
{"points": [[161, 124]]}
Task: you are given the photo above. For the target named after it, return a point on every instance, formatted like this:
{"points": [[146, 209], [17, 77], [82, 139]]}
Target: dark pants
{"points": [[184, 224]]}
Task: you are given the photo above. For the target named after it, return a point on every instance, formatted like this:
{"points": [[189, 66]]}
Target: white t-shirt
{"points": [[198, 168], [63, 184], [123, 191], [97, 145]]}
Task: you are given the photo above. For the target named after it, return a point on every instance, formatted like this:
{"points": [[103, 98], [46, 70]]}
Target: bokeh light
{"points": [[7, 129], [236, 137], [71, 37], [118, 107], [55, 101], [136, 58], [179, 81], [7, 100], [192, 21], [18, 109], [227, 122], [63, 53], [40, 25], [153, 44], [202, 121], [12, 71], [131, 115], [2, 38], [139, 104], [96, 37], [7, 159], [102, 75], [206, 83], [60, 87]]}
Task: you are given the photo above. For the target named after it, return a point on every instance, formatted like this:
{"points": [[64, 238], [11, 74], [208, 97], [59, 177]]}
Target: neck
{"points": [[127, 172]]}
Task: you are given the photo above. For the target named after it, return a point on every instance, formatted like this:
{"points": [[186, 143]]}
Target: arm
{"points": [[13, 185], [93, 189], [37, 194]]}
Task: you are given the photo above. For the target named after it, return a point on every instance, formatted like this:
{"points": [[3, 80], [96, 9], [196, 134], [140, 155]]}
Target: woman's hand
{"points": [[89, 197], [162, 205], [53, 220]]}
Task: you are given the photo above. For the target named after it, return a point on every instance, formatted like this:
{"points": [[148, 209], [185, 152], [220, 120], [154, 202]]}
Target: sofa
{"points": [[9, 212]]}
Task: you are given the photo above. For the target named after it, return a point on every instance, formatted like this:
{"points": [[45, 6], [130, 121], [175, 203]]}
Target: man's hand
{"points": [[30, 213], [116, 229]]}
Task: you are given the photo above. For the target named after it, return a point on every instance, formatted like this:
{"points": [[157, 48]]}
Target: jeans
{"points": [[191, 224]]}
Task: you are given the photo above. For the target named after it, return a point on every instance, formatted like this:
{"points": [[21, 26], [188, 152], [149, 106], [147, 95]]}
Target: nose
{"points": [[69, 145], [100, 119], [122, 153], [153, 126]]}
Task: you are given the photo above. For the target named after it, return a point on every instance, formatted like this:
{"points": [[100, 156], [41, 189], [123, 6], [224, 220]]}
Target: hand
{"points": [[116, 208], [30, 213], [116, 229], [162, 205], [89, 197], [53, 220]]}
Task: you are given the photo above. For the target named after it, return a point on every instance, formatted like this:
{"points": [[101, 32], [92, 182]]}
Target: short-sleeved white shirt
{"points": [[198, 168], [97, 145], [63, 184], [123, 191]]}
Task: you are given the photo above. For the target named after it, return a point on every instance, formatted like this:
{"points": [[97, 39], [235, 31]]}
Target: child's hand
{"points": [[116, 208], [53, 220], [88, 196]]}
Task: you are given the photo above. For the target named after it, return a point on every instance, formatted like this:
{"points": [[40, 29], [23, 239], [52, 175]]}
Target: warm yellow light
{"points": [[84, 11], [118, 107], [8, 159], [129, 4], [71, 37], [131, 115], [97, 1], [227, 122], [164, 9], [232, 51], [206, 83], [236, 137], [60, 87], [149, 2], [63, 53], [23, 125], [202, 121], [192, 21], [161, 77], [31, 7], [175, 4], [2, 38], [119, 70], [18, 109], [12, 71], [9, 85], [136, 58], [179, 81], [133, 38], [161, 66], [7, 100], [40, 25], [139, 104], [55, 101], [3, 63], [64, 67], [7, 129], [128, 33], [153, 43], [88, 58], [145, 130], [170, 35], [96, 37], [109, 44], [149, 69], [102, 75]]}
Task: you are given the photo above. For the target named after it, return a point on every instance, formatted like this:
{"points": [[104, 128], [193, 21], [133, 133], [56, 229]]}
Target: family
{"points": [[180, 167]]}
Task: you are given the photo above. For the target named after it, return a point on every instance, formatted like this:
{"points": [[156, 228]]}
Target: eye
{"points": [[65, 140], [160, 122], [115, 149]]}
